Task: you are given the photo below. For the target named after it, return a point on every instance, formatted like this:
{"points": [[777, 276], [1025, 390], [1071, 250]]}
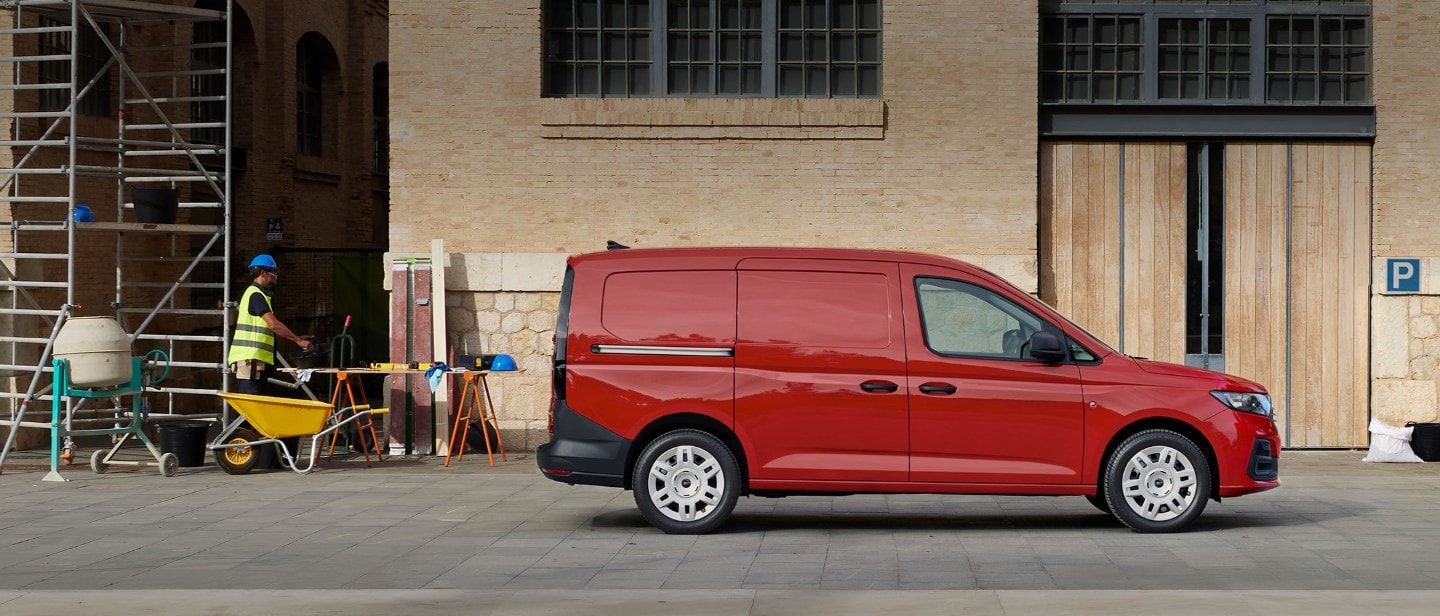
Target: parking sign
{"points": [[1402, 275]]}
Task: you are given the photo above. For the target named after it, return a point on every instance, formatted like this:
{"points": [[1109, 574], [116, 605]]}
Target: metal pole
{"points": [[225, 202], [74, 149], [34, 382], [1202, 252]]}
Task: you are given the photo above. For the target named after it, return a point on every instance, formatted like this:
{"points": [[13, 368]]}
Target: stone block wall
{"points": [[1405, 350]]}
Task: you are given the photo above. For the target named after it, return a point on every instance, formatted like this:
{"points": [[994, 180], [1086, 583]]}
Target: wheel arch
{"points": [[691, 421], [1162, 423]]}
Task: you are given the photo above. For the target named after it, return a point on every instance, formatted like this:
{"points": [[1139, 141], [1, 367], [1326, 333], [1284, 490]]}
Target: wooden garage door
{"points": [[1320, 379], [1295, 260], [1113, 242]]}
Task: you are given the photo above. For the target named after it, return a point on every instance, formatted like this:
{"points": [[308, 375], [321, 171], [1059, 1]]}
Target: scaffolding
{"points": [[156, 79]]}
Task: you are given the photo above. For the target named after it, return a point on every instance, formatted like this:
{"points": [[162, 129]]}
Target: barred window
{"points": [[92, 56], [1204, 59], [1206, 51], [1315, 59], [709, 48], [208, 55], [309, 81], [1097, 58]]}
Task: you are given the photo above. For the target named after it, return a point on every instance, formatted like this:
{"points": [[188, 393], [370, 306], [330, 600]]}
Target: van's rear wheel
{"points": [[686, 482], [1157, 482]]}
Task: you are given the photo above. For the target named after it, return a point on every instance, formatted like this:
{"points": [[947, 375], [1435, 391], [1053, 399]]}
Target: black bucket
{"points": [[269, 454], [185, 440], [155, 205], [1425, 440]]}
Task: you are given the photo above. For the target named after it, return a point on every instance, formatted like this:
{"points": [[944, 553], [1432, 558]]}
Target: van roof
{"points": [[731, 255]]}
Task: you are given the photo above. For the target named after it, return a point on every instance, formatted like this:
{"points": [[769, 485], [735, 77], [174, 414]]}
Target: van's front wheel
{"points": [[1157, 481], [686, 482]]}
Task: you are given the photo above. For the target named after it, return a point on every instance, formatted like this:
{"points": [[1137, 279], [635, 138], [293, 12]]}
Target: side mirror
{"points": [[1047, 347]]}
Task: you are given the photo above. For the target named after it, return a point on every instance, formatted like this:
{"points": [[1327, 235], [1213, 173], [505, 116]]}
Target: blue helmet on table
{"points": [[503, 363]]}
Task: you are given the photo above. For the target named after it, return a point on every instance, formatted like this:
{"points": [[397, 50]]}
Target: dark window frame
{"points": [[742, 49], [309, 104], [89, 61], [208, 58], [380, 118], [1259, 13]]}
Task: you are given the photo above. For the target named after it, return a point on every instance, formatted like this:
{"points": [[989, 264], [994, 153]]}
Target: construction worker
{"points": [[252, 352]]}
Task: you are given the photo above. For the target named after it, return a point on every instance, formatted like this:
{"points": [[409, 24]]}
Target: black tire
{"points": [[686, 482], [1157, 481], [238, 460]]}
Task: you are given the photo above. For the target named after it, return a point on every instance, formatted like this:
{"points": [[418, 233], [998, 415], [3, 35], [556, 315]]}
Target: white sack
{"points": [[1390, 444]]}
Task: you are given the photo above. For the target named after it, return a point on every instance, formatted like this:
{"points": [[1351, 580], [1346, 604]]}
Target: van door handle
{"points": [[885, 386], [943, 389]]}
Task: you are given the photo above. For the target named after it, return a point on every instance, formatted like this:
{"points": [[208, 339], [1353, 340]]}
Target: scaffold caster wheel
{"points": [[68, 455], [97, 462], [169, 465]]}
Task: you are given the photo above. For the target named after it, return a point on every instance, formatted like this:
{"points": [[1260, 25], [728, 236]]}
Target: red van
{"points": [[695, 376]]}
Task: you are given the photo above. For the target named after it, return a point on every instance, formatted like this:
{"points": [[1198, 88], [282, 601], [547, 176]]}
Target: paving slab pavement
{"points": [[1339, 537]]}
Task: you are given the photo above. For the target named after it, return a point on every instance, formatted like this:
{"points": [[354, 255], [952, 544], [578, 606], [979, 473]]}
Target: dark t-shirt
{"points": [[258, 307]]}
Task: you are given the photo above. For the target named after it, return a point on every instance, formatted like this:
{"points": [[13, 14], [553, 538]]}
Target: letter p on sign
{"points": [[1402, 275]]}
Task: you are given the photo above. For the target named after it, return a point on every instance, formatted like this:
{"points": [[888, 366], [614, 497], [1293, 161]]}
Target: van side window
{"points": [[965, 319]]}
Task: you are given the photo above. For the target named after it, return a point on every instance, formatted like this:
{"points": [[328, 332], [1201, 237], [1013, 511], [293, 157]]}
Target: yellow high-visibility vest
{"points": [[253, 337]]}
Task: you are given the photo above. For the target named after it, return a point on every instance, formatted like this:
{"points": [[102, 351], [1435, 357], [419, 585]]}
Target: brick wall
{"points": [[944, 162], [325, 202], [480, 163]]}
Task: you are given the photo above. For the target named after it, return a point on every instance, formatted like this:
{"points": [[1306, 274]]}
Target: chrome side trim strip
{"points": [[626, 349]]}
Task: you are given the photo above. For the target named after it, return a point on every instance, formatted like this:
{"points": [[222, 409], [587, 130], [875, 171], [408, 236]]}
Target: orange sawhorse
{"points": [[470, 405], [344, 382]]}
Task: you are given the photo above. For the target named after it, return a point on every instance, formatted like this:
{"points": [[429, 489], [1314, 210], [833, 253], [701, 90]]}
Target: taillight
{"points": [[557, 390]]}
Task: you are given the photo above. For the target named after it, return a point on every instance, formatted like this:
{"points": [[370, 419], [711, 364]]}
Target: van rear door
{"points": [[820, 370], [981, 409]]}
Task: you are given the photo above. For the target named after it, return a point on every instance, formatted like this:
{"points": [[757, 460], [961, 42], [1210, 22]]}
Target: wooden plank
{"points": [[1308, 252], [1047, 246], [1139, 285], [1330, 203], [1254, 329], [1065, 227], [1360, 296], [1155, 250], [1271, 168], [1178, 249], [1110, 222]]}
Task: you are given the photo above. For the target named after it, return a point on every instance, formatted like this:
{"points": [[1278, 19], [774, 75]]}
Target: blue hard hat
{"points": [[265, 261], [83, 213], [503, 363]]}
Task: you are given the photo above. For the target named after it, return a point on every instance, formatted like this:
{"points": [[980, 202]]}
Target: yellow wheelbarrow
{"points": [[274, 419]]}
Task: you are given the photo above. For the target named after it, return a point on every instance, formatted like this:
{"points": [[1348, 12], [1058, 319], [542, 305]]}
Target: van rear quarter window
{"points": [[689, 306], [820, 309]]}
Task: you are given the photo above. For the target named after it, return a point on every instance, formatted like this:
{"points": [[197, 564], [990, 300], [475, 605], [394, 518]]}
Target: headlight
{"points": [[1258, 404]]}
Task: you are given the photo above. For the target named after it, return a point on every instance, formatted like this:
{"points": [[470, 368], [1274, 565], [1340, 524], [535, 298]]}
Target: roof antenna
{"points": [[614, 245]]}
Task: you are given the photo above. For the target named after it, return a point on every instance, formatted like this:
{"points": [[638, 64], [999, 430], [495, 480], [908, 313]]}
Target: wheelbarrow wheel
{"points": [[169, 464], [97, 462], [238, 460]]}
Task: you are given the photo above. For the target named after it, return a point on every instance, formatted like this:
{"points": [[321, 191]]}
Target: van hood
{"points": [[1224, 381]]}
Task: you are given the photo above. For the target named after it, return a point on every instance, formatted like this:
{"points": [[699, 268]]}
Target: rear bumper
{"points": [[583, 452]]}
